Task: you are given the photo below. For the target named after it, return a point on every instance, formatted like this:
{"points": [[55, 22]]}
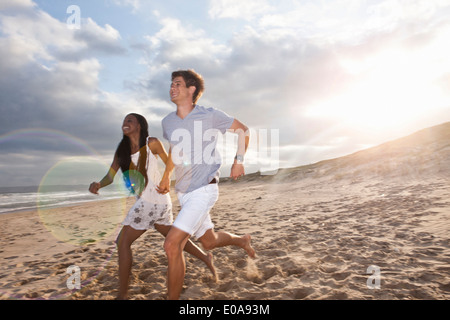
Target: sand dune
{"points": [[319, 232]]}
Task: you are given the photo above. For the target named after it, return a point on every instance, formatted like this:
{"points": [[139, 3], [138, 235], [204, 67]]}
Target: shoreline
{"points": [[68, 205]]}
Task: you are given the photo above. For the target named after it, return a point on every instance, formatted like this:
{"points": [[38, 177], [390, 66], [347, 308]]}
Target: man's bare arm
{"points": [[237, 170]]}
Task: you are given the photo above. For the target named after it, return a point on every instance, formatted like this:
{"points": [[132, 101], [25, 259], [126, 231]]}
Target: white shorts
{"points": [[194, 217]]}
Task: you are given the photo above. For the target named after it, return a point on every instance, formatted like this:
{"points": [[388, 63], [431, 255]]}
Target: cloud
{"points": [[135, 4], [349, 20], [92, 40], [272, 72], [180, 43], [175, 45], [264, 80], [236, 9], [37, 35], [49, 78], [16, 5], [282, 61]]}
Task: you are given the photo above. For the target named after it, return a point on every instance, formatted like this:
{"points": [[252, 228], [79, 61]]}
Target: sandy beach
{"points": [[371, 225]]}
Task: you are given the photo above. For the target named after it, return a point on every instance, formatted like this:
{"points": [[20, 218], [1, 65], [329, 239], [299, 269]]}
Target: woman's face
{"points": [[130, 125]]}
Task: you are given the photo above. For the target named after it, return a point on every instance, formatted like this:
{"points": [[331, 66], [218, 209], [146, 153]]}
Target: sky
{"points": [[314, 80]]}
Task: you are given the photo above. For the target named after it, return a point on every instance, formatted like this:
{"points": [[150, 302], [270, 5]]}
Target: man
{"points": [[192, 131]]}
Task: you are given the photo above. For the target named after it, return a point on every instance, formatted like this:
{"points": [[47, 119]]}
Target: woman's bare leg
{"points": [[124, 241]]}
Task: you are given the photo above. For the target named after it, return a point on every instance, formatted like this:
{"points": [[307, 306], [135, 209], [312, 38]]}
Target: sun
{"points": [[393, 88]]}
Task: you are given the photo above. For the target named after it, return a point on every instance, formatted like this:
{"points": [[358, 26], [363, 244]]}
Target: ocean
{"points": [[16, 199]]}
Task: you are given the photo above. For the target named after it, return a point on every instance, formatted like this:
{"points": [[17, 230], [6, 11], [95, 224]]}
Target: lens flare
{"points": [[78, 225], [134, 181], [65, 206]]}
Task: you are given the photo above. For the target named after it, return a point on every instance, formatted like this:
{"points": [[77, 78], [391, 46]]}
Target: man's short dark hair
{"points": [[191, 78]]}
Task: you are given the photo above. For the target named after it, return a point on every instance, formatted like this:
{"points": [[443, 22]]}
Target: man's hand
{"points": [[94, 187], [237, 170], [164, 186]]}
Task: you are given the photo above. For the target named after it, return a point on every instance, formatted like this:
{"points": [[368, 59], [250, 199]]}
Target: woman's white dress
{"points": [[151, 207]]}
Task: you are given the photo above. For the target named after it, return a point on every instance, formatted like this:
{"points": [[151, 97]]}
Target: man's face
{"points": [[178, 91]]}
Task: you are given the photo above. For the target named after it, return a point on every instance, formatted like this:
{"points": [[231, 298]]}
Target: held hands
{"points": [[94, 187], [237, 171], [164, 186]]}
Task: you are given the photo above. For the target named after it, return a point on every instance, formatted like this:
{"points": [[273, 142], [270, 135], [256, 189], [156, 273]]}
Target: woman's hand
{"points": [[164, 186], [94, 187]]}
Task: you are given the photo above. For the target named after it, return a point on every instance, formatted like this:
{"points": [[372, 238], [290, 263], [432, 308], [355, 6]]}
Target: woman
{"points": [[136, 157]]}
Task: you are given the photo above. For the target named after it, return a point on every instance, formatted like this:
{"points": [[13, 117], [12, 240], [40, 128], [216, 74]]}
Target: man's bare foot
{"points": [[210, 264], [248, 247]]}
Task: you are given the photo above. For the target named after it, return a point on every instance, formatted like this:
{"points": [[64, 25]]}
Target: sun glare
{"points": [[393, 88]]}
